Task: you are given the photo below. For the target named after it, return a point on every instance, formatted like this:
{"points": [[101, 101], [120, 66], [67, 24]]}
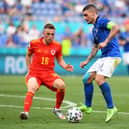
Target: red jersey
{"points": [[44, 55]]}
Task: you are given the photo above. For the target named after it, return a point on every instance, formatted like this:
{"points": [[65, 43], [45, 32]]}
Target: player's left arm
{"points": [[62, 63], [114, 30]]}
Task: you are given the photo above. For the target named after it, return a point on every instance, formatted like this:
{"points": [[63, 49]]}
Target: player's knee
{"points": [[86, 78], [99, 81], [32, 85], [59, 84], [32, 88]]}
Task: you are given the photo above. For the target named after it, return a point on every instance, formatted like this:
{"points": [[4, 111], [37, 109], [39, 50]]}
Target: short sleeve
{"points": [[30, 48], [103, 22]]}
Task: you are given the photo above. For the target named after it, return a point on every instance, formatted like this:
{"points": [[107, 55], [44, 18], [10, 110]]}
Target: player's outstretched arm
{"points": [[92, 54], [61, 62]]}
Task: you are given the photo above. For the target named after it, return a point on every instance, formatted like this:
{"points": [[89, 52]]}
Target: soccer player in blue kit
{"points": [[104, 33]]}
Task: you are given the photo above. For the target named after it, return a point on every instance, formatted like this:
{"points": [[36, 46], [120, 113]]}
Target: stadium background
{"points": [[23, 20]]}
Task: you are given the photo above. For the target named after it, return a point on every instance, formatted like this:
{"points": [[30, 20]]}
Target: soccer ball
{"points": [[74, 115]]}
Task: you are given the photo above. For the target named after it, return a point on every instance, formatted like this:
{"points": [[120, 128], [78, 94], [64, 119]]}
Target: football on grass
{"points": [[74, 115]]}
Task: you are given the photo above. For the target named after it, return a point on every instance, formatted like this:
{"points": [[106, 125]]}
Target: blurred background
{"points": [[23, 20]]}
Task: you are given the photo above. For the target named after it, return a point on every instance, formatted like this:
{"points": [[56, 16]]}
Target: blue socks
{"points": [[89, 89], [88, 92], [106, 91]]}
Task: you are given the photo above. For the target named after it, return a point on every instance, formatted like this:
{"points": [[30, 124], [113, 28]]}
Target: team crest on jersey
{"points": [[53, 52]]}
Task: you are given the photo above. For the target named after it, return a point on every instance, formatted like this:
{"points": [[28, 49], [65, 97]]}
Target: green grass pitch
{"points": [[13, 91]]}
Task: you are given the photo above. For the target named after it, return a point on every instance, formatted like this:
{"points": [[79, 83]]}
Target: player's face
{"points": [[49, 35], [89, 16]]}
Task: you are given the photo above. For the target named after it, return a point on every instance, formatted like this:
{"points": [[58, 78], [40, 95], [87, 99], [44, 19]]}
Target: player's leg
{"points": [[105, 89], [106, 92], [60, 86], [88, 92], [55, 83], [32, 85], [88, 87], [107, 66]]}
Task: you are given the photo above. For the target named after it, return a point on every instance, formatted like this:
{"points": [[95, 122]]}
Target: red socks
{"points": [[59, 97], [29, 96], [28, 101]]}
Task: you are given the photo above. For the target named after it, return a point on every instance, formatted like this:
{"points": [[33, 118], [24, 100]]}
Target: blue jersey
{"points": [[100, 33], [125, 36]]}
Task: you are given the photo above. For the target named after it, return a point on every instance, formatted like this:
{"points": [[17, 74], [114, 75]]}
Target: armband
{"points": [[110, 25]]}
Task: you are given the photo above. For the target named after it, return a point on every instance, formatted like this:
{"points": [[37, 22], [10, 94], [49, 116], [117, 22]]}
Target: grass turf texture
{"points": [[44, 118]]}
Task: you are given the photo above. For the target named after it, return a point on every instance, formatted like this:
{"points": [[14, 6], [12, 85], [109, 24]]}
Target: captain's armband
{"points": [[110, 25]]}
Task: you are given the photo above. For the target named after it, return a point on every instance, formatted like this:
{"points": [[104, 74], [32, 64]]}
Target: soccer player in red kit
{"points": [[40, 60]]}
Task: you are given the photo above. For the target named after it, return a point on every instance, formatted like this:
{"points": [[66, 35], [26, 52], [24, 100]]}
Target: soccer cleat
{"points": [[24, 115], [58, 113], [85, 109], [110, 113]]}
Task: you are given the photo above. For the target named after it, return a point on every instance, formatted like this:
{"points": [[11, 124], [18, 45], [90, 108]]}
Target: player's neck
{"points": [[95, 19], [44, 41]]}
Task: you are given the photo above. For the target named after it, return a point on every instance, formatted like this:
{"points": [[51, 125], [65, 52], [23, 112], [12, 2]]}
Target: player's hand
{"points": [[102, 45], [69, 67], [82, 64]]}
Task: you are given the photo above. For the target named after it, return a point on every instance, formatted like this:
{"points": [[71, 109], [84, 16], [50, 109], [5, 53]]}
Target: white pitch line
{"points": [[69, 103], [123, 113], [47, 108], [14, 106]]}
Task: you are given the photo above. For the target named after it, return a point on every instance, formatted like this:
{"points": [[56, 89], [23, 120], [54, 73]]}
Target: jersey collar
{"points": [[41, 40], [97, 19]]}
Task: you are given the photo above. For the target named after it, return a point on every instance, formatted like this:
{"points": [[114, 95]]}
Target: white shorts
{"points": [[105, 66], [126, 58]]}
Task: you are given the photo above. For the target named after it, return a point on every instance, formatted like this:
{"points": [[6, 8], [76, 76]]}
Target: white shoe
{"points": [[24, 115], [58, 113]]}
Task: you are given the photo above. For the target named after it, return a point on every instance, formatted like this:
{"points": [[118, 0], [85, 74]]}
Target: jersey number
{"points": [[45, 60]]}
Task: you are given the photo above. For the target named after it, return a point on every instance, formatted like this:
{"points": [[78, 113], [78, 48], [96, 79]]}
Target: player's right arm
{"points": [[28, 59], [93, 52]]}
